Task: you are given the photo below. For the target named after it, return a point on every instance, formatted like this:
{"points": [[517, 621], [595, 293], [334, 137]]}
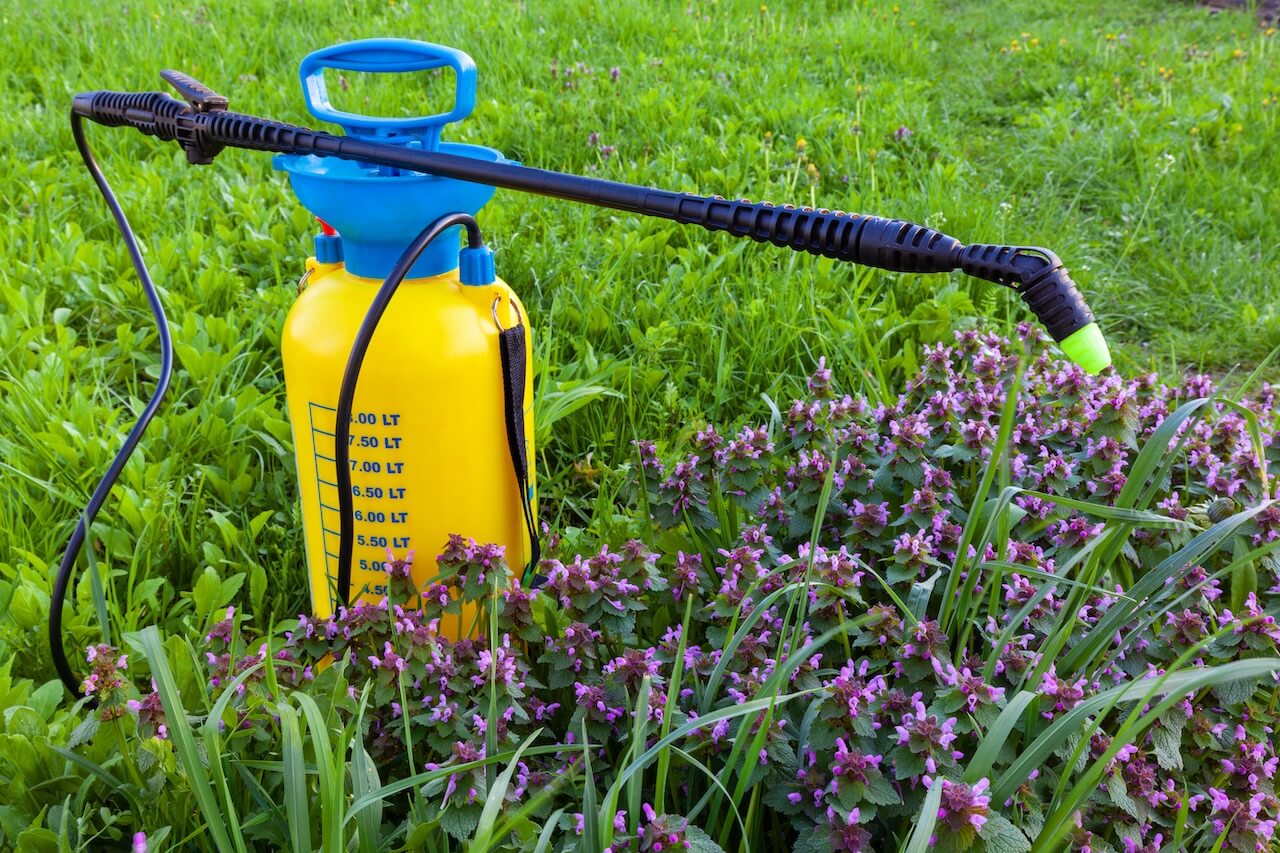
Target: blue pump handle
{"points": [[388, 55]]}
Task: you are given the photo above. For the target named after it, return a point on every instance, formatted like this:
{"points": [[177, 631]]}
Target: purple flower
{"points": [[922, 734], [390, 661], [963, 809], [1065, 694], [685, 575], [846, 836], [853, 765], [927, 640]]}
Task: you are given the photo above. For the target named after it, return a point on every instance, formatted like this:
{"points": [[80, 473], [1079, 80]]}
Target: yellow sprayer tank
{"points": [[428, 445]]}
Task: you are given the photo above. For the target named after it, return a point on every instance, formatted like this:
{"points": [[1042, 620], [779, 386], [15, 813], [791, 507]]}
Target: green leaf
{"points": [[257, 586], [918, 597], [84, 732], [206, 591], [1001, 836], [1167, 741], [24, 722], [880, 792], [811, 840], [44, 700], [1236, 692], [699, 841], [38, 840], [460, 822], [1118, 791]]}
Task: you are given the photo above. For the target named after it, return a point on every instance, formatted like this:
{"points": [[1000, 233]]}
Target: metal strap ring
{"points": [[493, 309]]}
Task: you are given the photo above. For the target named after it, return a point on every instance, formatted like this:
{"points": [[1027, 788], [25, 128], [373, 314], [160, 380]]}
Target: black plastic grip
{"points": [[888, 244], [1040, 279], [153, 113]]}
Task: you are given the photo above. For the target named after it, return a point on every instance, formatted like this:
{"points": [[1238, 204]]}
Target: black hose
{"points": [[346, 396], [350, 376], [62, 580]]}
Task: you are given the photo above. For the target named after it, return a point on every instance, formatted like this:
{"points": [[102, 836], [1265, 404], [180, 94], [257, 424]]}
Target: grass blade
{"points": [[544, 837], [638, 727], [1007, 415], [148, 642], [1181, 683], [590, 837], [420, 779], [673, 693], [296, 800], [1153, 582], [332, 795], [926, 820], [484, 837], [364, 778], [984, 757]]}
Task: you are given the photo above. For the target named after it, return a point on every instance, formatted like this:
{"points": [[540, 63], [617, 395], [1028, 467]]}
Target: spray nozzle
{"points": [[1041, 279]]}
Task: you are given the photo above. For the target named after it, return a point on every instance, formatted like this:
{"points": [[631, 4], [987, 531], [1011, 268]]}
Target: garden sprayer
{"points": [[443, 394]]}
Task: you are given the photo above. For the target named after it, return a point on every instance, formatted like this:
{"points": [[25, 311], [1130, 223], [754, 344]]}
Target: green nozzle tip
{"points": [[1087, 348]]}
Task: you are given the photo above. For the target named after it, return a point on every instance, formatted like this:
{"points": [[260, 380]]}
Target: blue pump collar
{"points": [[378, 211]]}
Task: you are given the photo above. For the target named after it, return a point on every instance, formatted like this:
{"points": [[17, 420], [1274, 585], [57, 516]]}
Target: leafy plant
{"points": [[848, 640]]}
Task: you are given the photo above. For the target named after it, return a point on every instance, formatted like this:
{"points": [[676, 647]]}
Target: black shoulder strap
{"points": [[511, 345]]}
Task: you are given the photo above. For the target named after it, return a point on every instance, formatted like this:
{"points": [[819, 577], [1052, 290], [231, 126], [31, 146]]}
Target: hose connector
{"points": [[1042, 281]]}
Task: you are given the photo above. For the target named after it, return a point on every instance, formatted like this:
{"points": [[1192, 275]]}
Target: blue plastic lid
{"points": [[475, 266], [376, 210]]}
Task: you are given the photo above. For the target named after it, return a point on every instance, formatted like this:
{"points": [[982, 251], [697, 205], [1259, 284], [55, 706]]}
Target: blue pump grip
{"points": [[388, 55]]}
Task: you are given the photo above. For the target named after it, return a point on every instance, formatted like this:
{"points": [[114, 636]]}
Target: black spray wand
{"points": [[203, 126]]}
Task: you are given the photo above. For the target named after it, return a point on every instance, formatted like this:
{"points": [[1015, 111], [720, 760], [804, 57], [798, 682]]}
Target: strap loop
{"points": [[511, 348]]}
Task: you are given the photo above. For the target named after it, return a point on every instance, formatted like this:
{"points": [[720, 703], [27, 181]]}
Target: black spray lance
{"points": [[203, 126]]}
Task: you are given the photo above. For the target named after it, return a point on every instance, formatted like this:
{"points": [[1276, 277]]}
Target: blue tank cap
{"points": [[475, 266], [328, 248], [379, 210]]}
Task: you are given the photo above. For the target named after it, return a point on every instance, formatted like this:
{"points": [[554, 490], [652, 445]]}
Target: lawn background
{"points": [[1137, 140]]}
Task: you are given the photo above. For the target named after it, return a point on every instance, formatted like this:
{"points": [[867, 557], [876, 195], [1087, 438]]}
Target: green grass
{"points": [[1049, 123]]}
